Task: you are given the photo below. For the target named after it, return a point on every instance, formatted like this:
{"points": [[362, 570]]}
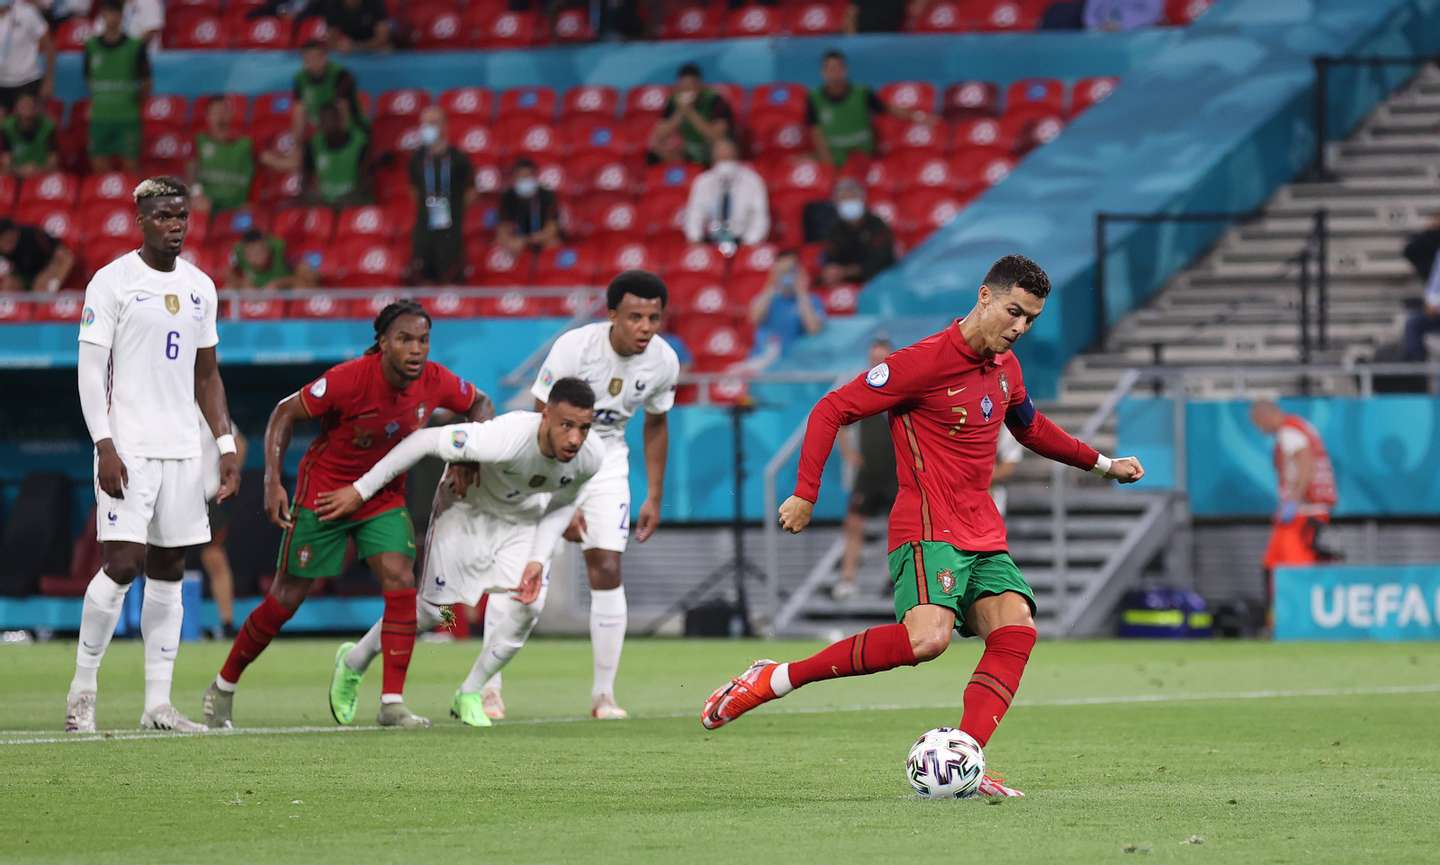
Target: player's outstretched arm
{"points": [[210, 396], [278, 431], [1043, 436]]}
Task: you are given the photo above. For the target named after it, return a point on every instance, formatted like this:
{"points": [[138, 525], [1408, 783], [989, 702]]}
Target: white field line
{"points": [[50, 737]]}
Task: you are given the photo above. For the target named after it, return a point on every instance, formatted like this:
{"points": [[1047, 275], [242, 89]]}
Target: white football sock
{"points": [[427, 616], [504, 635], [104, 599], [608, 618], [160, 618], [780, 680], [493, 615]]}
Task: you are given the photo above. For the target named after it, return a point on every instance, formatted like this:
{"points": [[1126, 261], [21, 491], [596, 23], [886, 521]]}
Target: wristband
{"points": [[1102, 466], [226, 443]]}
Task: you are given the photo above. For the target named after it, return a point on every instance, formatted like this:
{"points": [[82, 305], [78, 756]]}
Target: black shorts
{"points": [[8, 95]]}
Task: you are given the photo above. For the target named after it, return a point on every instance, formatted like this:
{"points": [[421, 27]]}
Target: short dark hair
{"points": [[523, 162], [390, 313], [641, 283], [252, 234], [572, 391], [833, 54], [107, 5], [689, 69], [313, 45], [1013, 270]]}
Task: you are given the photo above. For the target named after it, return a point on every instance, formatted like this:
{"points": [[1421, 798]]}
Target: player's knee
{"points": [[929, 642], [604, 572], [123, 569]]}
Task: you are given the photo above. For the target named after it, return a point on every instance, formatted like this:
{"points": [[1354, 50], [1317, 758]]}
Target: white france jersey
{"points": [[153, 323], [621, 384], [518, 483]]}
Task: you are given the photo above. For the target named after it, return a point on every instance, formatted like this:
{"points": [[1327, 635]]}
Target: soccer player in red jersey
{"points": [[366, 406], [946, 396]]}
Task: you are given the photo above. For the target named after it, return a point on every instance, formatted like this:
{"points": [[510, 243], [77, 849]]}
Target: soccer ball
{"points": [[945, 764]]}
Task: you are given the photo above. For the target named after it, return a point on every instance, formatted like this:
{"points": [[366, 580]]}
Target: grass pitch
{"points": [[1173, 752]]}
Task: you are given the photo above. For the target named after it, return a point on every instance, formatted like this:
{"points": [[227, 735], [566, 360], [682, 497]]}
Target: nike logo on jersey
{"points": [[143, 297], [439, 581], [951, 391]]}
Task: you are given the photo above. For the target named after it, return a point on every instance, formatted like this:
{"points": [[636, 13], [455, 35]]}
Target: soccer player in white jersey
{"points": [[497, 538], [629, 365], [147, 358]]}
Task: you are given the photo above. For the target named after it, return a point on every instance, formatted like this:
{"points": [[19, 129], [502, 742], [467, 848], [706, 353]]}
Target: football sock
{"points": [[607, 636], [259, 629], [880, 648], [493, 615], [104, 599], [359, 658], [397, 641], [504, 635], [996, 679], [160, 618]]}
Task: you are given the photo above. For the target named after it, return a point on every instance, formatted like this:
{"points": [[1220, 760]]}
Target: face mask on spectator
{"points": [[429, 133], [526, 187], [851, 209]]}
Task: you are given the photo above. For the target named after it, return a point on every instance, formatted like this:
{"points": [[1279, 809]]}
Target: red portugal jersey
{"points": [[946, 404], [362, 417]]}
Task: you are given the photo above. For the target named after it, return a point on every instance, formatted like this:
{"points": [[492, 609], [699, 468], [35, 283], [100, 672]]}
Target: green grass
{"points": [[1309, 775]]}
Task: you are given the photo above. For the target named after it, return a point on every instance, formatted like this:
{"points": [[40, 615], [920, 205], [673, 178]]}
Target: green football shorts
{"points": [[115, 138], [313, 549], [933, 572]]}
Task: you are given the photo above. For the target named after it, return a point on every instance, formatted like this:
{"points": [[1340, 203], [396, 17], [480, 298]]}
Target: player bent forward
{"points": [[497, 538]]}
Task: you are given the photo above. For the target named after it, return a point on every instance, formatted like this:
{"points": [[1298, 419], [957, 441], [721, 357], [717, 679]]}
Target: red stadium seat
{"points": [[699, 259], [717, 336], [63, 306], [276, 187], [474, 138], [197, 31], [54, 218], [166, 153], [369, 307], [918, 171], [272, 109], [663, 211], [512, 304], [965, 100], [673, 176], [305, 226], [467, 102], [307, 30], [816, 19], [439, 27], [9, 187], [452, 304], [54, 187], [212, 258], [109, 221], [100, 250], [622, 254], [267, 33], [227, 227], [981, 168], [373, 263], [369, 221], [777, 134], [1045, 93], [1089, 91], [1010, 15], [691, 22], [944, 17], [164, 112], [733, 94], [927, 209], [696, 294], [503, 30], [787, 212], [537, 103], [910, 95], [753, 21], [647, 100], [72, 34], [841, 300], [984, 132], [879, 175], [1030, 130], [523, 135], [778, 100], [607, 215], [489, 177], [758, 258], [317, 306], [573, 25], [566, 265], [1182, 13], [592, 134], [801, 173], [591, 99], [395, 135], [406, 102], [209, 6], [12, 312], [500, 267], [897, 135], [613, 176]]}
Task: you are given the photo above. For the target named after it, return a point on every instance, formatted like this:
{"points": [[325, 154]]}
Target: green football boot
{"points": [[344, 687], [470, 710]]}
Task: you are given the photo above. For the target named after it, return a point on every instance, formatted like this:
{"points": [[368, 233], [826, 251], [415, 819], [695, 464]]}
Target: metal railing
{"points": [[1319, 169]]}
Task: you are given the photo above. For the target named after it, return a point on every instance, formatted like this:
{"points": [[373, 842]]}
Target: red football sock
{"points": [[996, 679], [397, 639], [259, 629], [880, 648]]}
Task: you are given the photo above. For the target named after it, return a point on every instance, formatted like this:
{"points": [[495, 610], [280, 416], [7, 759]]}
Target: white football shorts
{"points": [[605, 502], [164, 504], [469, 552]]}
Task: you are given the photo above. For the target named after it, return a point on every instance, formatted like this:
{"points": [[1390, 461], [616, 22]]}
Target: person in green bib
{"points": [[322, 82], [258, 261], [29, 136], [696, 114], [224, 161], [839, 113], [117, 69], [335, 162]]}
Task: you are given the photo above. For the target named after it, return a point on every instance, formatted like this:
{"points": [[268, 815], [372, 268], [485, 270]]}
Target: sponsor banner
{"points": [[1358, 602]]}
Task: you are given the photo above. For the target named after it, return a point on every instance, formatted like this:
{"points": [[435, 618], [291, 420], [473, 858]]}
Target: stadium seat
{"points": [[537, 103], [527, 135], [840, 300], [12, 312], [554, 176], [211, 7], [467, 102], [512, 304], [967, 100], [194, 31], [624, 254], [1010, 15], [406, 103], [373, 262], [927, 209], [489, 177], [1046, 93], [646, 100], [698, 259], [316, 306], [164, 113], [474, 138], [756, 258], [374, 222], [878, 176], [266, 33], [945, 16], [9, 188], [1182, 13], [166, 153], [438, 27], [99, 251], [395, 135], [920, 171], [612, 175], [228, 226], [272, 110], [276, 187], [787, 215], [692, 293], [453, 304], [368, 307], [799, 172], [566, 265], [502, 30], [815, 19], [896, 135], [606, 215], [772, 134], [980, 168], [673, 176], [500, 267], [54, 218], [591, 134], [305, 226], [108, 221], [984, 132], [268, 308], [753, 21], [1029, 130], [779, 99], [910, 95], [572, 26], [1088, 91], [72, 34], [591, 99], [54, 187], [212, 258], [662, 211], [720, 336], [307, 30], [691, 22]]}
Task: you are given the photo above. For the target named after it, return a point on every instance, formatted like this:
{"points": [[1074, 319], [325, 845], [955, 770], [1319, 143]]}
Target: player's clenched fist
{"points": [[1126, 470], [795, 514], [529, 588]]}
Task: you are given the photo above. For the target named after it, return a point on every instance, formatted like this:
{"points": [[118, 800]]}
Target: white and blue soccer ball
{"points": [[945, 764]]}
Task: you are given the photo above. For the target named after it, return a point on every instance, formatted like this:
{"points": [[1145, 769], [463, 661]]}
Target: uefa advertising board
{"points": [[1358, 602]]}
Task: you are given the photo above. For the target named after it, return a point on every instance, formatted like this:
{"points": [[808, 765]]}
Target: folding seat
{"points": [[672, 176], [272, 111], [197, 31], [566, 265], [840, 300], [438, 27], [816, 19], [919, 171], [1029, 130], [1046, 93], [305, 226], [779, 99], [255, 309], [267, 33], [166, 153], [1182, 13], [499, 266], [717, 336], [211, 7], [9, 188], [698, 259], [307, 30], [528, 136], [370, 306], [692, 293], [370, 221], [753, 258], [489, 177], [927, 209], [624, 254], [879, 175], [896, 135], [276, 187], [164, 113], [593, 134], [803, 173], [787, 214], [646, 100], [945, 16], [109, 222], [966, 100], [612, 175], [62, 306], [753, 21], [1088, 91], [1009, 15], [54, 218], [395, 135], [453, 304], [691, 22], [772, 133], [909, 95], [12, 312], [662, 211], [978, 169], [734, 96], [98, 250], [984, 132], [606, 215], [73, 33], [467, 102], [572, 26], [537, 103], [52, 187], [555, 176], [228, 226], [373, 262], [406, 102], [502, 30], [239, 110], [474, 138], [512, 304], [318, 306], [591, 100]]}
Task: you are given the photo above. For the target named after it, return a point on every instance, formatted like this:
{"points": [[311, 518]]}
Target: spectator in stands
{"points": [[335, 161], [258, 261], [728, 203], [355, 25], [839, 113], [29, 139], [529, 213], [224, 162], [699, 115], [444, 185], [31, 260], [867, 449], [882, 16], [1117, 15], [783, 311], [26, 38], [118, 72], [859, 243], [144, 21], [1425, 320], [322, 82]]}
